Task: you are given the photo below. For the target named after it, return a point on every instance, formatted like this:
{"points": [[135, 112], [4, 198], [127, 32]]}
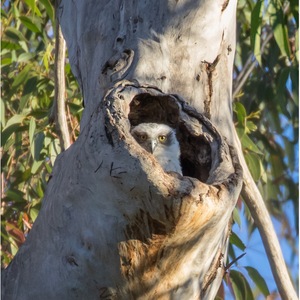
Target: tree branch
{"points": [[59, 108], [260, 214], [255, 202], [248, 68], [251, 61]]}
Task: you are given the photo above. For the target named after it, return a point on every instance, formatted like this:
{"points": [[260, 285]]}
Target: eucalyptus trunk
{"points": [[113, 224]]}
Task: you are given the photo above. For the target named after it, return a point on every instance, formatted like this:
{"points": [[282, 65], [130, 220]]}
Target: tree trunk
{"points": [[113, 224], [180, 47]]}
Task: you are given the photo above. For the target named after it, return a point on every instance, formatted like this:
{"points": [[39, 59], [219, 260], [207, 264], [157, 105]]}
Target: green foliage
{"points": [[266, 114], [235, 240], [239, 283], [240, 286], [29, 142], [259, 281], [265, 106], [267, 109], [255, 30]]}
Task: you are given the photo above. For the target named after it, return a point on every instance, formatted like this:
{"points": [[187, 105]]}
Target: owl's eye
{"points": [[143, 137], [162, 138]]}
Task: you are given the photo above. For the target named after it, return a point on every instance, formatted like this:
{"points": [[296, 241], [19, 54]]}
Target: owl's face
{"points": [[161, 141], [154, 137]]}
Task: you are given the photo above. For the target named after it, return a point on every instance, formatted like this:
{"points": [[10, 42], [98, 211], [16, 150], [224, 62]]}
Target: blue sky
{"points": [[256, 255]]}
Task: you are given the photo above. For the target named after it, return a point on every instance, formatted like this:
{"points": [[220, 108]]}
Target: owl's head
{"points": [[155, 137]]}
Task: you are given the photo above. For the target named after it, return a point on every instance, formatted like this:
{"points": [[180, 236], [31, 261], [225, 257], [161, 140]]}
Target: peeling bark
{"points": [[209, 68], [58, 110], [152, 231]]}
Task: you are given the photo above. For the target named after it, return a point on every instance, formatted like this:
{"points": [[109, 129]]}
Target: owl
{"points": [[161, 141]]}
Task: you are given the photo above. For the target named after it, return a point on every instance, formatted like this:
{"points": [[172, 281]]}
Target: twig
{"points": [[248, 67], [234, 261]]}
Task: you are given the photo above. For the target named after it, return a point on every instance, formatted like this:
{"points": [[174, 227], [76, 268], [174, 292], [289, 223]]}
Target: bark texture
{"points": [[113, 225], [121, 228], [181, 47]]}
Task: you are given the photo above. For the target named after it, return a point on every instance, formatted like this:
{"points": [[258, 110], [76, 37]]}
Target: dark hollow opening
{"points": [[195, 150]]}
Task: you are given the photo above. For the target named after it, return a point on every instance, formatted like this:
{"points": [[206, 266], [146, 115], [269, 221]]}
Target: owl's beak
{"points": [[153, 146]]}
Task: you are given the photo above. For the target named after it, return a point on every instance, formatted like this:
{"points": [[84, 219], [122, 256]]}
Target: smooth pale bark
{"points": [[181, 47], [113, 225]]}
